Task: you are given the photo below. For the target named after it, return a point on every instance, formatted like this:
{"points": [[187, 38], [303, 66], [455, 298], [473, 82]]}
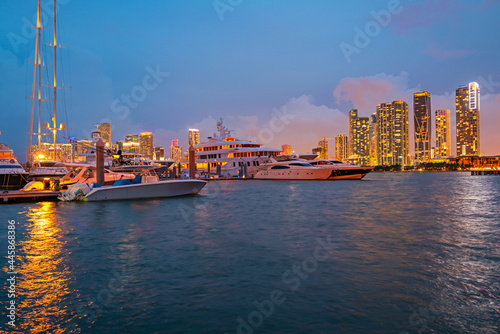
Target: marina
{"points": [[176, 265], [247, 167]]}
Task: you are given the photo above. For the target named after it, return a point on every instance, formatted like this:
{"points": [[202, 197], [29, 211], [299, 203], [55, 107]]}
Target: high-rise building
{"points": [[131, 144], [322, 149], [422, 123], [287, 149], [159, 153], [359, 138], [105, 131], [146, 144], [194, 137], [467, 101], [443, 133], [175, 151], [392, 134], [373, 139], [341, 147]]}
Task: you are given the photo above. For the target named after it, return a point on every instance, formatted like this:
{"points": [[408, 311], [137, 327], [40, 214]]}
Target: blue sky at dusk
{"points": [[274, 70]]}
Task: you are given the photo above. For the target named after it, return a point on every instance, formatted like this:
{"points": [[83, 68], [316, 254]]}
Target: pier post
{"points": [[192, 163], [100, 162]]}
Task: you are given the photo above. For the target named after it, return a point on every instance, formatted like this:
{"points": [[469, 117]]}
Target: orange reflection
{"points": [[42, 273]]}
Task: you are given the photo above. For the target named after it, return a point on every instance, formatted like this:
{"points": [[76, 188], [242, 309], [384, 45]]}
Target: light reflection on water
{"points": [[414, 253], [44, 272]]}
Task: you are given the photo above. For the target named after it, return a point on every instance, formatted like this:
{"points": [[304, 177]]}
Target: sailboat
{"points": [[43, 157]]}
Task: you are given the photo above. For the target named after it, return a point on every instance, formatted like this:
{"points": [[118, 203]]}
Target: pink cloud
{"points": [[365, 93]]}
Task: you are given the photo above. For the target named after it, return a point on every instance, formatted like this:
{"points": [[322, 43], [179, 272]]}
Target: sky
{"points": [[277, 71]]}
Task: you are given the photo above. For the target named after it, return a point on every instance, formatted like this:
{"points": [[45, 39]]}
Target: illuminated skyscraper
{"points": [[359, 137], [443, 133], [159, 153], [341, 147], [105, 130], [146, 145], [467, 101], [373, 140], [422, 123], [175, 151], [194, 137], [323, 149], [287, 149], [392, 134]]}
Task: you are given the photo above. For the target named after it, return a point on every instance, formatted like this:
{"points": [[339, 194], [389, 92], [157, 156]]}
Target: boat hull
{"points": [[146, 190], [349, 173], [13, 180], [292, 174]]}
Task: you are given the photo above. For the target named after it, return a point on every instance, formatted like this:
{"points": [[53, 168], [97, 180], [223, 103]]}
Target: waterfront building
{"points": [[359, 138], [67, 152], [467, 102], [341, 147], [105, 131], [146, 144], [422, 126], [443, 133], [194, 137], [373, 139], [159, 153], [175, 151], [322, 149], [392, 134], [287, 149]]}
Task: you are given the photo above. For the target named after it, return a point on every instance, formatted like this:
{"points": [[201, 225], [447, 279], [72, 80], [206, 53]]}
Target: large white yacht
{"points": [[12, 174], [225, 156], [293, 169], [341, 171]]}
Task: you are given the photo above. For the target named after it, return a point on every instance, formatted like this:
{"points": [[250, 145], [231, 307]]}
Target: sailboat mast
{"points": [[33, 90], [55, 82], [39, 64]]}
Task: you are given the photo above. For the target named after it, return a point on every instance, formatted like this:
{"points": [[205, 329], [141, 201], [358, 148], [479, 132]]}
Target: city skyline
{"points": [[274, 83]]}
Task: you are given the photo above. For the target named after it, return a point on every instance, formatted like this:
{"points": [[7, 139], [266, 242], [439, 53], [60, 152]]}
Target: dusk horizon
{"points": [[249, 62]]}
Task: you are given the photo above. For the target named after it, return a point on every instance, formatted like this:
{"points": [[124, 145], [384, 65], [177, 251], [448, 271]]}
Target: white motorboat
{"points": [[291, 170], [226, 156], [341, 171], [12, 174], [150, 187]]}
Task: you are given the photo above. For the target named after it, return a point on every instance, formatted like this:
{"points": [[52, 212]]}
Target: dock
{"points": [[16, 196]]}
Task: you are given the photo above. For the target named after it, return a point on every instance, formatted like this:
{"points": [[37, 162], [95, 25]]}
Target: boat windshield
{"points": [[302, 164]]}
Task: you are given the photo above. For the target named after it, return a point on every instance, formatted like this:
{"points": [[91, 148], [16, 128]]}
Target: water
{"points": [[394, 253]]}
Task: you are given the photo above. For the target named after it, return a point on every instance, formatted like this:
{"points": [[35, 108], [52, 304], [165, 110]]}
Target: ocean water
{"points": [[393, 253]]}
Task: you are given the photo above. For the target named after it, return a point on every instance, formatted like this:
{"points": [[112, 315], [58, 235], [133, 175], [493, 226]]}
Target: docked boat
{"points": [[82, 173], [12, 174], [226, 156], [139, 188], [341, 171], [294, 169], [47, 168]]}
